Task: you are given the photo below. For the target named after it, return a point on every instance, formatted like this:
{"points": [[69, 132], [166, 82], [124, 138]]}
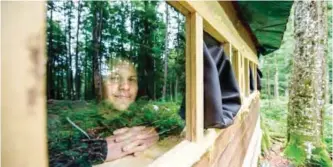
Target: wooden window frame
{"points": [[241, 56], [28, 123]]}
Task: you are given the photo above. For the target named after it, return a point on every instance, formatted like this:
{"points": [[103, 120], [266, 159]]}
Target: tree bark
{"points": [[69, 59], [50, 82], [77, 69], [276, 79], [97, 82], [307, 86], [166, 51]]}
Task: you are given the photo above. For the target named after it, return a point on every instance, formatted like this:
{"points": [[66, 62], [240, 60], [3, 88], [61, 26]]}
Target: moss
{"points": [[320, 158], [295, 151], [266, 139]]}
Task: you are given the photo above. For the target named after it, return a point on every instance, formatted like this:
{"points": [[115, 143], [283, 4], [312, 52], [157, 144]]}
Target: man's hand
{"points": [[133, 140]]}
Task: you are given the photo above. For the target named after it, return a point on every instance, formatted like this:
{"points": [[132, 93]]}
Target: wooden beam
{"points": [[247, 77], [24, 134], [244, 30], [218, 24], [179, 7], [254, 74], [194, 77], [231, 53], [241, 76]]}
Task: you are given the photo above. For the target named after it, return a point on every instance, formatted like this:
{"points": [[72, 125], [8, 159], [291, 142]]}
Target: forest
{"points": [[83, 35], [277, 69]]}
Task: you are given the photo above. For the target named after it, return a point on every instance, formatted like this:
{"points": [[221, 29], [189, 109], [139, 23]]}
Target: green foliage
{"points": [[274, 115], [100, 120], [132, 29], [295, 151], [266, 139], [320, 158]]}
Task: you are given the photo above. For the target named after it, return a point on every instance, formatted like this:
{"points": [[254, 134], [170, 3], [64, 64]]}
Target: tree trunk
{"points": [[268, 85], [307, 86], [276, 79], [166, 51], [69, 63], [176, 89], [97, 85], [50, 82], [77, 69]]}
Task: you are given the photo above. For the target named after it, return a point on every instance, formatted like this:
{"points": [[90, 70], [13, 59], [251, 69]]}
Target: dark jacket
{"points": [[221, 92]]}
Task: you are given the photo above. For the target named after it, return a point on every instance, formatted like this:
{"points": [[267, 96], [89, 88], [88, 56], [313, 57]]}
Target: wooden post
{"points": [[231, 52], [254, 75], [24, 139], [194, 77], [246, 77], [241, 75]]}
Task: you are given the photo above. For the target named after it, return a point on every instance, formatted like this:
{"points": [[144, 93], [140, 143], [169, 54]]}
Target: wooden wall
{"points": [[231, 146]]}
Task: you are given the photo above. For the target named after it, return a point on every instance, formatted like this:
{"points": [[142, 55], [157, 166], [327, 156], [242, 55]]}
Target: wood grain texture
{"points": [[24, 139], [232, 143], [194, 77], [218, 24]]}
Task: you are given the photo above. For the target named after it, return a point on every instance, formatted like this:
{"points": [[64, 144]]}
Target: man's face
{"points": [[122, 85]]}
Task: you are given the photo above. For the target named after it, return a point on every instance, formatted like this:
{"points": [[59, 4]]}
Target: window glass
{"points": [[115, 80]]}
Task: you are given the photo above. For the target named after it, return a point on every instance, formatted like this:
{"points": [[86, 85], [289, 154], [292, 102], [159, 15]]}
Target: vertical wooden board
{"points": [[194, 77], [231, 53], [254, 74], [247, 77], [188, 81], [24, 140], [226, 49], [241, 75]]}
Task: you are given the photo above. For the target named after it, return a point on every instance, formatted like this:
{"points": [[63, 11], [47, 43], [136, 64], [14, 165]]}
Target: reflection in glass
{"points": [[115, 80]]}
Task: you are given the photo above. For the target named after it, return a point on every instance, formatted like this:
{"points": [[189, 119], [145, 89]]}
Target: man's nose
{"points": [[124, 85]]}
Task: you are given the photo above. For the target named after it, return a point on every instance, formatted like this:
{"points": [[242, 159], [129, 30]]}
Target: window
{"points": [[113, 67], [85, 52]]}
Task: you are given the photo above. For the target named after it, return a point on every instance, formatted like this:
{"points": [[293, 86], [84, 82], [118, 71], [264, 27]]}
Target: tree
{"points": [[166, 51], [307, 86], [50, 51], [69, 7], [77, 69]]}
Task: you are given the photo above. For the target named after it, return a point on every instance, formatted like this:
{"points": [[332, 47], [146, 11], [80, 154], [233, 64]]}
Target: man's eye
{"points": [[132, 79], [114, 78]]}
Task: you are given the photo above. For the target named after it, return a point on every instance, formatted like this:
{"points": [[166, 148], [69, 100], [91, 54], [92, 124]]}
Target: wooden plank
{"points": [[194, 77], [234, 154], [244, 30], [179, 7], [252, 152], [241, 76], [228, 135], [24, 140], [218, 24], [236, 66], [231, 53], [254, 74], [246, 77], [245, 142]]}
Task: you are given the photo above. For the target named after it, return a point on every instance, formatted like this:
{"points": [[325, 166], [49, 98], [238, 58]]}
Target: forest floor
{"points": [[274, 157], [274, 123]]}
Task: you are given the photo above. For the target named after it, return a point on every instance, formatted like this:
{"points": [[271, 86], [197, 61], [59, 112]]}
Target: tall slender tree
{"points": [[77, 68], [166, 51]]}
